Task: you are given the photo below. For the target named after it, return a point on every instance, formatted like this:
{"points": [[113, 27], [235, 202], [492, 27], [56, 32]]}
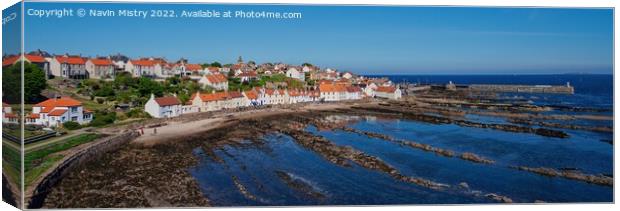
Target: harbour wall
{"points": [[522, 88]]}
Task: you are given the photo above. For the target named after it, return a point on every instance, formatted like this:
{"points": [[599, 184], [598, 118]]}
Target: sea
{"points": [[259, 170]]}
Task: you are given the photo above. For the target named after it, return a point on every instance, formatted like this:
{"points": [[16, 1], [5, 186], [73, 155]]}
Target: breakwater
{"points": [[522, 88], [550, 89]]}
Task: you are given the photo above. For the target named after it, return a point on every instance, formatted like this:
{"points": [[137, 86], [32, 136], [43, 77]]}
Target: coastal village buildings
{"points": [[252, 97], [353, 93], [333, 91], [326, 85], [57, 111], [369, 90], [296, 74], [215, 81], [73, 67], [163, 107], [7, 114], [100, 68], [388, 92], [247, 76], [143, 67]]}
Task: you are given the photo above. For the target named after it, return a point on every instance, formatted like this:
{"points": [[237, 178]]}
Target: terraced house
{"points": [[73, 67], [56, 111], [143, 67], [100, 68]]}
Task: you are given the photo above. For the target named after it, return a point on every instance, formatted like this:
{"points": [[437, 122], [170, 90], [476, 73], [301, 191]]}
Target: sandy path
{"points": [[175, 128]]}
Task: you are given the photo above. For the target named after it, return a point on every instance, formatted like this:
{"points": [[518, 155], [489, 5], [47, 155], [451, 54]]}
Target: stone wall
{"points": [[36, 197]]}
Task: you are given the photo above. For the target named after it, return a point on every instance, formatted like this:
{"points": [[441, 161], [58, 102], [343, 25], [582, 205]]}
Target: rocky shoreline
{"points": [[157, 175]]}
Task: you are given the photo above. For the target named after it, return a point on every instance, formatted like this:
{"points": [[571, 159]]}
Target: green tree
{"points": [[146, 86], [307, 64], [123, 80], [216, 64], [11, 84], [34, 82]]}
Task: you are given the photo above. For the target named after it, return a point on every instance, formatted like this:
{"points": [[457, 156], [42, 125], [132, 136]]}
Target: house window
{"points": [[74, 109]]}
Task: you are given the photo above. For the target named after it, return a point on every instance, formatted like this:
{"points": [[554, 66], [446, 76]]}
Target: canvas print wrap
{"points": [[131, 105]]}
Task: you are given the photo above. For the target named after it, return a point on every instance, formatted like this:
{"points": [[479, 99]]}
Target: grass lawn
{"points": [[35, 172], [36, 162], [11, 164]]}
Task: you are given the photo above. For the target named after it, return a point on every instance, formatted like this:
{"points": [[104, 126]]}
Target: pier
{"points": [[567, 89], [550, 89]]}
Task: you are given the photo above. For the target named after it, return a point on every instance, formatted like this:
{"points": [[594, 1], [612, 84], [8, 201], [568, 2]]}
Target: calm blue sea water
{"points": [[590, 89], [255, 167]]}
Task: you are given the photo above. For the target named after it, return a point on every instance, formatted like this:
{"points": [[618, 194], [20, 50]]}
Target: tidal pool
{"points": [[278, 171]]}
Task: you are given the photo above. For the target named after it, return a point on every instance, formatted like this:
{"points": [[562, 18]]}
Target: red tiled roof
{"points": [[211, 97], [193, 67], [213, 69], [143, 62], [70, 60], [252, 95], [216, 78], [60, 102], [101, 62], [33, 116], [167, 101], [332, 88], [31, 58], [57, 112], [47, 109], [353, 89], [9, 60], [235, 94], [35, 58], [248, 74], [10, 115], [386, 89]]}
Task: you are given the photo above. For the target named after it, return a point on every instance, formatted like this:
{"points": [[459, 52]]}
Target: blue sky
{"points": [[362, 39]]}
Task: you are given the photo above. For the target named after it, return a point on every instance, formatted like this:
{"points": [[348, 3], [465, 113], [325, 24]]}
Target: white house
{"points": [[100, 68], [247, 76], [347, 75], [296, 74], [354, 93], [333, 91], [217, 81], [208, 102], [144, 67], [7, 114], [388, 92], [69, 67], [163, 107], [369, 90], [56, 111]]}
